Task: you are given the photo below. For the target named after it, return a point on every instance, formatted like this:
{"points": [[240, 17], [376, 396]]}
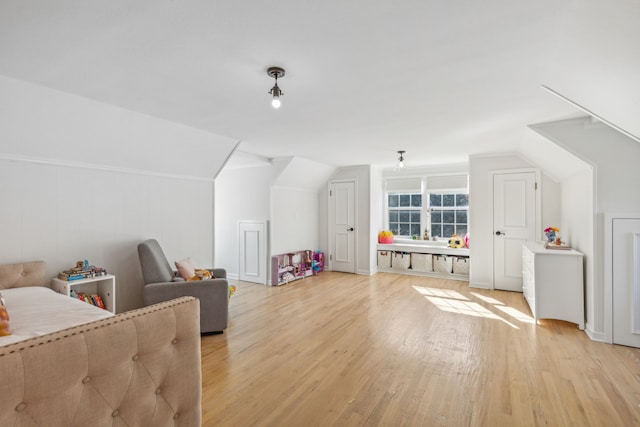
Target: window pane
{"points": [[405, 200], [393, 216], [461, 230], [404, 229], [436, 230], [462, 200], [435, 199], [393, 227], [404, 216], [448, 230], [393, 200], [436, 216], [448, 199], [416, 200], [415, 217], [461, 217], [415, 229], [448, 217]]}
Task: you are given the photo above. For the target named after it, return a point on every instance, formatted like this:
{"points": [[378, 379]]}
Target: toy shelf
{"points": [[296, 265]]}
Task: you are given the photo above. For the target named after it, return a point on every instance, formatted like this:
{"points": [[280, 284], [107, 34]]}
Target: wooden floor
{"points": [[394, 350]]}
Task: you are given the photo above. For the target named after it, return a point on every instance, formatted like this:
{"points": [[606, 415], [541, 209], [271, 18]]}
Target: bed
{"points": [[68, 363]]}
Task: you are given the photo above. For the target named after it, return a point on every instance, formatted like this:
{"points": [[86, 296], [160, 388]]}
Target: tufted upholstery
{"points": [[23, 274], [139, 368]]}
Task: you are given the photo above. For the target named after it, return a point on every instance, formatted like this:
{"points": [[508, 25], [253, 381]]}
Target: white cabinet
{"points": [[553, 283], [105, 286]]}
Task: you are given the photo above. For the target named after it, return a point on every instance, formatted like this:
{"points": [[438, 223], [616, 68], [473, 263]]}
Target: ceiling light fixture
{"points": [[401, 159], [276, 72]]}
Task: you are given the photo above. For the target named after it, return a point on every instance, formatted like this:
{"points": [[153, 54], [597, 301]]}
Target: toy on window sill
{"points": [[456, 242]]}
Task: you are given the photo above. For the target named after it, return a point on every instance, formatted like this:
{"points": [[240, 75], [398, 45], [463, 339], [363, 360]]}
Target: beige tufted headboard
{"points": [[139, 368], [23, 274]]}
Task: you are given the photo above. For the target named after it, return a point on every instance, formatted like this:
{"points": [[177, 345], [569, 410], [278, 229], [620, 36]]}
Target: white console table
{"points": [[105, 286], [552, 283]]}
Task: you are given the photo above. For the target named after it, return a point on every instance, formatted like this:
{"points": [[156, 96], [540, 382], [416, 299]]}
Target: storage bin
{"points": [[384, 259], [421, 262], [442, 264], [400, 261], [461, 265]]}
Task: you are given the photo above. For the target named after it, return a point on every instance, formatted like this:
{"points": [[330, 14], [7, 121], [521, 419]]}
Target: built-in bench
{"points": [[424, 258]]}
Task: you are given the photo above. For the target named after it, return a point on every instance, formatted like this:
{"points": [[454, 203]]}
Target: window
{"points": [[437, 203], [405, 211], [449, 214]]}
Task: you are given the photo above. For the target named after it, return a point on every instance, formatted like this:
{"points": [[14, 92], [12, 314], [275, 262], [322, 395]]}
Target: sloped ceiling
{"points": [[441, 80]]}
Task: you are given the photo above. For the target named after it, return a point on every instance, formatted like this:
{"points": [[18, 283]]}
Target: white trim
{"points": [[591, 113], [93, 166]]}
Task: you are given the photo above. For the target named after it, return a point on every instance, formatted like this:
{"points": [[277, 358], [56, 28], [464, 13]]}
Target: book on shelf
{"points": [[78, 274], [556, 247]]}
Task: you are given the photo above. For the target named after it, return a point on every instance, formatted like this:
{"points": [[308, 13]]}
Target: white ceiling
{"points": [[364, 78]]}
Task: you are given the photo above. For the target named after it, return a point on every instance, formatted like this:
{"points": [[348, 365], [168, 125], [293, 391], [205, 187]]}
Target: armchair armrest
{"points": [[154, 293], [213, 296], [218, 273]]}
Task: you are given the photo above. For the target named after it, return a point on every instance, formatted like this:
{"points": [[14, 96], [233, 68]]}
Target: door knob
{"points": [[350, 229], [500, 233]]}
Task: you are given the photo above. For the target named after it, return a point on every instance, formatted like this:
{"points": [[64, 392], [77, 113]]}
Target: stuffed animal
{"points": [[456, 242], [202, 275]]}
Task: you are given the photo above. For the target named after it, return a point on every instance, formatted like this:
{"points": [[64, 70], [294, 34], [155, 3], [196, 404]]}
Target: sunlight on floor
{"points": [[455, 302]]}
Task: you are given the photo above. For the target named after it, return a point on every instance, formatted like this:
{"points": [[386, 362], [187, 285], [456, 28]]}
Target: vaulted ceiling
{"points": [[439, 79]]}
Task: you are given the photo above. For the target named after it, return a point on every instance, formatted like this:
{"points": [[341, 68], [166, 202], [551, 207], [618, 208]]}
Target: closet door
{"points": [[253, 251], [626, 281]]}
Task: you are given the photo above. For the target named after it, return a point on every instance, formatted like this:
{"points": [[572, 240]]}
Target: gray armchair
{"points": [[161, 285]]}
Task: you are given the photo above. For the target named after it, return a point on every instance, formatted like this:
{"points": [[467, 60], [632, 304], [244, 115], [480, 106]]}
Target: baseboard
{"points": [[365, 272], [595, 335], [233, 276], [479, 285]]}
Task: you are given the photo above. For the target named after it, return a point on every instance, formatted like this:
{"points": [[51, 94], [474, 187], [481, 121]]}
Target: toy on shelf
{"points": [[294, 265]]}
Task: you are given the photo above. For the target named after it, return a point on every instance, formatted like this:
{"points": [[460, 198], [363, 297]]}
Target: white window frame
{"points": [[425, 210]]}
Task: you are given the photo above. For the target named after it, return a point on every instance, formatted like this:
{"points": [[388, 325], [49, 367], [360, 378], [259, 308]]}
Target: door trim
{"points": [[328, 261], [537, 210]]}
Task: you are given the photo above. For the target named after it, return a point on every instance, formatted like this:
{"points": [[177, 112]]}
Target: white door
{"points": [[514, 221], [626, 281], [253, 247], [342, 226]]}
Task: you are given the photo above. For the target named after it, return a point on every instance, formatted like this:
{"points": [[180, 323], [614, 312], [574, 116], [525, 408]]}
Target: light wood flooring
{"points": [[395, 350]]}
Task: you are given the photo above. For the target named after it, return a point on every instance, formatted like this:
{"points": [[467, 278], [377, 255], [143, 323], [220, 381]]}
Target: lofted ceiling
{"points": [[439, 79]]}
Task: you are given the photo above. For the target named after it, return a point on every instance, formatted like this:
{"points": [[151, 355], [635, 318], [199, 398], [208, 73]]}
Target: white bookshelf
{"points": [[105, 286]]}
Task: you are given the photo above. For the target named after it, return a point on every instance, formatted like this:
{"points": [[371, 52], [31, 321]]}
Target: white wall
{"points": [[362, 176], [594, 61], [84, 180], [240, 194], [294, 224], [481, 211], [577, 227], [614, 158], [283, 192], [377, 214]]}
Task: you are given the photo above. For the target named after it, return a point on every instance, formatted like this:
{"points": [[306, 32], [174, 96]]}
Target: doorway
{"points": [[342, 226], [516, 207]]}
